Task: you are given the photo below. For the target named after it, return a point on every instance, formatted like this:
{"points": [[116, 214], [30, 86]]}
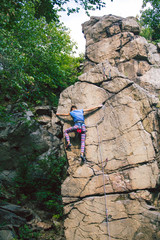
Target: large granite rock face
{"points": [[122, 71]]}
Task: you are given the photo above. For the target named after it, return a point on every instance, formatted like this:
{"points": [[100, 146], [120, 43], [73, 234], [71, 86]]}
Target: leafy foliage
{"points": [[150, 20], [36, 59], [41, 182], [26, 233], [45, 8]]}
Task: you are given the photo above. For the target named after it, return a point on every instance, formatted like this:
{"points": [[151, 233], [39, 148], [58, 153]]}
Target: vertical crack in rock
{"points": [[122, 72]]}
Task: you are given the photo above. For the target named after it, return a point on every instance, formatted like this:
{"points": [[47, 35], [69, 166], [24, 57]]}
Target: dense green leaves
{"points": [[36, 59], [41, 182], [150, 20], [36, 52], [44, 8]]}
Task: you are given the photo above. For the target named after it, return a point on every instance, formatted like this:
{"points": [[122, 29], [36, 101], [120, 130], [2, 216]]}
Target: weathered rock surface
{"points": [[23, 137], [122, 72], [116, 39], [12, 217]]}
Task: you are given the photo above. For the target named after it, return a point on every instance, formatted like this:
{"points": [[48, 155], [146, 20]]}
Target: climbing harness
{"points": [[80, 124], [79, 130]]}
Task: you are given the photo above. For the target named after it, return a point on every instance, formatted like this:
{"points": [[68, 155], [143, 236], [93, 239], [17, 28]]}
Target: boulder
{"points": [[130, 24], [20, 137], [12, 218], [116, 39], [8, 217], [7, 235], [24, 137], [150, 81]]}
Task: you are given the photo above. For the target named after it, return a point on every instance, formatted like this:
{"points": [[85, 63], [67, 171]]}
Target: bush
{"points": [[41, 182], [26, 233], [150, 20]]}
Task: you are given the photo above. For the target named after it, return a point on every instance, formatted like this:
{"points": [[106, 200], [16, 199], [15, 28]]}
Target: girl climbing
{"points": [[79, 126]]}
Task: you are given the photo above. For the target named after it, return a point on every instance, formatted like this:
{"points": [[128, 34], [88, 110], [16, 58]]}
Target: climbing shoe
{"points": [[83, 159], [68, 146]]}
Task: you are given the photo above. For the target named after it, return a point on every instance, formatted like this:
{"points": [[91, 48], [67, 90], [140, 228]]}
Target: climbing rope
{"points": [[104, 186], [105, 77], [102, 166]]}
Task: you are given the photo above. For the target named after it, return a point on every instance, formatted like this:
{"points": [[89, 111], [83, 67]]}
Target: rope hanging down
{"points": [[105, 77], [104, 186], [102, 166]]}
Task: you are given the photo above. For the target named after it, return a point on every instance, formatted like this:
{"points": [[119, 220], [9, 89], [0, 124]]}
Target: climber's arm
{"points": [[62, 114], [93, 108]]}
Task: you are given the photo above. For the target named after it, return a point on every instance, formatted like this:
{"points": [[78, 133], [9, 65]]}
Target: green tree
{"points": [[36, 56], [150, 20], [44, 8], [49, 8], [36, 59], [41, 182]]}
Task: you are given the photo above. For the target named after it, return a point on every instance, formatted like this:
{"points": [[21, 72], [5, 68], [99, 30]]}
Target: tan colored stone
{"points": [[92, 212], [83, 172], [95, 29], [144, 177], [73, 160], [151, 81], [101, 72], [133, 68], [151, 117], [135, 178], [108, 48], [141, 195], [117, 84], [73, 186], [84, 95], [122, 137], [95, 186], [43, 225], [130, 24], [153, 55], [67, 200], [136, 48], [44, 119], [114, 29], [143, 67]]}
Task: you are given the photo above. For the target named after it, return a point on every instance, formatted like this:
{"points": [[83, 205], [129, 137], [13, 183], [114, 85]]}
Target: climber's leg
{"points": [[83, 136], [68, 130]]}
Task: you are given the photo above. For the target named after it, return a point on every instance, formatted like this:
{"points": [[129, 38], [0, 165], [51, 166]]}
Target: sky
{"points": [[122, 8]]}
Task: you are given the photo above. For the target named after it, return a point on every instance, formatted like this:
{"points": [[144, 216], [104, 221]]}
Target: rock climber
{"points": [[79, 126]]}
